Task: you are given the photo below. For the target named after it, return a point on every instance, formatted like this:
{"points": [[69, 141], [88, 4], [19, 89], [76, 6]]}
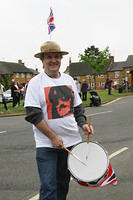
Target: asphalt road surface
{"points": [[113, 128]]}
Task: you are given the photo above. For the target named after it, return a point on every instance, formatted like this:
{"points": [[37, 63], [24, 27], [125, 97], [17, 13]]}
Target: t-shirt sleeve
{"points": [[32, 95]]}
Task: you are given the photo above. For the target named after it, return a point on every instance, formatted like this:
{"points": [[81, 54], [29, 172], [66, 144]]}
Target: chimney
{"points": [[111, 59], [20, 62]]}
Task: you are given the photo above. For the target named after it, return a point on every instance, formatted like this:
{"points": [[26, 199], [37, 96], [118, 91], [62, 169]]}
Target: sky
{"points": [[79, 24]]}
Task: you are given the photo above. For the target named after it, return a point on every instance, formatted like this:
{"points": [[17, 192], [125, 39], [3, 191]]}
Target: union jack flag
{"points": [[109, 178], [50, 22]]}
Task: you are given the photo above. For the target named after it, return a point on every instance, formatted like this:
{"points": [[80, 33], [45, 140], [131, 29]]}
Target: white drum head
{"points": [[97, 162]]}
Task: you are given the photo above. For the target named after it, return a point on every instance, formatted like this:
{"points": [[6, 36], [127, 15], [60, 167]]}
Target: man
{"points": [[14, 93], [2, 98], [84, 90], [109, 85], [54, 108]]}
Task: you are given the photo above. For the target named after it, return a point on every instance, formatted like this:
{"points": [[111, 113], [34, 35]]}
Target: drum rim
{"points": [[106, 170]]}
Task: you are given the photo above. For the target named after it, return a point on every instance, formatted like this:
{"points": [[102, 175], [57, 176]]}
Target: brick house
{"points": [[122, 71], [118, 72], [17, 71]]}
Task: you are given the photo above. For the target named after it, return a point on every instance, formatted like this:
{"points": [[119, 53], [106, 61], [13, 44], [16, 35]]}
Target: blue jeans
{"points": [[53, 172]]}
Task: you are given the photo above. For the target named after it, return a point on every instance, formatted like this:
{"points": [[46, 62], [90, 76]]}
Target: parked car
{"points": [[7, 96]]}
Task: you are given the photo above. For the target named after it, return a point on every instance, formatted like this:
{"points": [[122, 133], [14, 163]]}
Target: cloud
{"points": [[79, 24]]}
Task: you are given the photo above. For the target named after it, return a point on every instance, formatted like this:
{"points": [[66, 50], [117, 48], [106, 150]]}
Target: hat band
{"points": [[50, 50]]}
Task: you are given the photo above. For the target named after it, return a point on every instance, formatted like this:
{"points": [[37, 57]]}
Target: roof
{"points": [[83, 69], [79, 69], [10, 68], [34, 71], [129, 61], [118, 66]]}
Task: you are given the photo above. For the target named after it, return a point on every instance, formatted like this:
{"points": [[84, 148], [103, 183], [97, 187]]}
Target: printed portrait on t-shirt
{"points": [[59, 100]]}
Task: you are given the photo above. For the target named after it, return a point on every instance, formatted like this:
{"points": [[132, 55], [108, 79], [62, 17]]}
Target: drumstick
{"points": [[74, 155], [89, 122]]}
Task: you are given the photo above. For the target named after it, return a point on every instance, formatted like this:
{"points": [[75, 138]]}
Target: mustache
{"points": [[53, 63]]}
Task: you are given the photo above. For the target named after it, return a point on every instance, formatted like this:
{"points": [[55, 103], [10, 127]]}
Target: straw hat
{"points": [[50, 47]]}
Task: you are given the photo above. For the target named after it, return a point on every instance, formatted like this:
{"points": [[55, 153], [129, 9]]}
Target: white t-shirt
{"points": [[1, 93], [1, 96], [78, 86], [56, 98]]}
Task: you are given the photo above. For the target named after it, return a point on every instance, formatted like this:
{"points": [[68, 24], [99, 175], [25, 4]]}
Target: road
{"points": [[113, 128]]}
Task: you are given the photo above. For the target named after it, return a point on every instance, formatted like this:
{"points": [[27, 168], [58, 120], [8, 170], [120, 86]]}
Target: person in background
{"points": [[14, 93], [109, 85], [25, 88], [2, 98], [55, 109], [19, 94], [22, 91], [78, 86], [26, 85], [84, 90]]}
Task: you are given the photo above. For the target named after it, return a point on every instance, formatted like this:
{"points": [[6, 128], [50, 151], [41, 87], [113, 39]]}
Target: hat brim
{"points": [[39, 55]]}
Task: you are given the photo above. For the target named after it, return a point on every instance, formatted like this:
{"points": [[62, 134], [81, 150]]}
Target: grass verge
{"points": [[102, 93]]}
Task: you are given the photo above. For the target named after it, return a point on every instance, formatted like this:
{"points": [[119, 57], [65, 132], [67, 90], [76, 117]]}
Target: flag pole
{"points": [[50, 36]]}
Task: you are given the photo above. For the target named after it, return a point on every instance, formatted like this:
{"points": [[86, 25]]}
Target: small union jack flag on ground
{"points": [[109, 178], [50, 22]]}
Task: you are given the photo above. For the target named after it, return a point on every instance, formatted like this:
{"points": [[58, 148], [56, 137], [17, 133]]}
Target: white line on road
{"points": [[117, 100], [111, 102], [3, 131], [99, 113], [118, 152], [35, 197]]}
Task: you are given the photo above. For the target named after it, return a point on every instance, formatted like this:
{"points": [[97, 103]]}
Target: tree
{"points": [[97, 60], [5, 81]]}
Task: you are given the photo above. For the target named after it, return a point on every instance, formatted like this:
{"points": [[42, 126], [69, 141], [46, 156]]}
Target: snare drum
{"points": [[97, 163]]}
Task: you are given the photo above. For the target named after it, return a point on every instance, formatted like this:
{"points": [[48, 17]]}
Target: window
{"points": [[28, 75], [89, 76], [17, 75], [22, 75], [91, 85], [101, 76], [117, 74], [78, 77], [101, 84], [116, 82]]}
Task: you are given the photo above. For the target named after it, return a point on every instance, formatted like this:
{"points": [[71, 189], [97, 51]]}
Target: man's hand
{"points": [[87, 130], [57, 141], [43, 127]]}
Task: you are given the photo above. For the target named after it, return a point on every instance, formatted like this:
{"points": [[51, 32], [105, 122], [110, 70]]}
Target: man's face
{"points": [[51, 63]]}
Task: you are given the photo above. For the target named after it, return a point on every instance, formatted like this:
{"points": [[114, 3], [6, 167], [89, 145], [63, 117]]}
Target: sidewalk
{"points": [[11, 114]]}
